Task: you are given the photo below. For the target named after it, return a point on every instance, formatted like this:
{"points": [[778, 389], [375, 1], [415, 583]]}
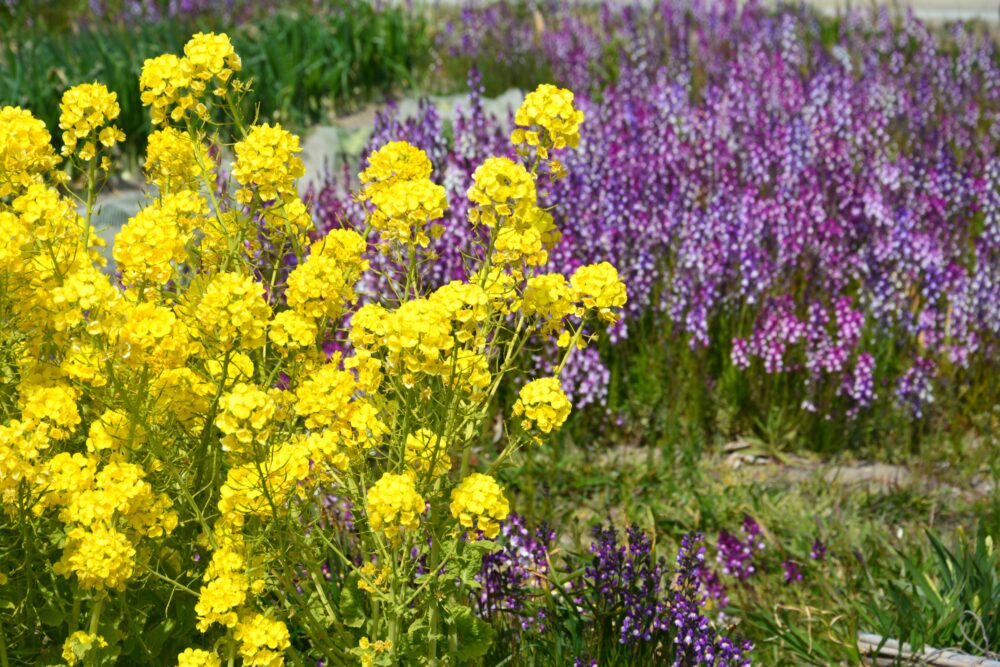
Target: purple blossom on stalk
{"points": [[627, 578], [695, 640], [791, 570], [818, 550], [737, 556]]}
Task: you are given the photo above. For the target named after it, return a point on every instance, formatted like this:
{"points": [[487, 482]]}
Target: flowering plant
{"points": [[171, 434]]}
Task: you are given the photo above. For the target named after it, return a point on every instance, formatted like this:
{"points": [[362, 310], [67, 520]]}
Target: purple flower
{"points": [[818, 551], [792, 573]]}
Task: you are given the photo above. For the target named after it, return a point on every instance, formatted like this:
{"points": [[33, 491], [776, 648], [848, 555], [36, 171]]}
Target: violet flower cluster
{"points": [[738, 554], [821, 203]]}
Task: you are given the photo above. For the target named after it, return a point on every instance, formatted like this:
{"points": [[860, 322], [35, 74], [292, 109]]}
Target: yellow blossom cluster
{"points": [[225, 589], [394, 162], [26, 151], [323, 285], [154, 241], [404, 209], [551, 120], [174, 162], [180, 426], [543, 404], [598, 288], [266, 163], [81, 645], [393, 504], [172, 86], [549, 297], [478, 503], [196, 657], [261, 640], [501, 188], [86, 111]]}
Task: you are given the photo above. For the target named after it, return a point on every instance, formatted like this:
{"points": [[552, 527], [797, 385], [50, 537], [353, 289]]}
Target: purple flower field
{"points": [[814, 216]]}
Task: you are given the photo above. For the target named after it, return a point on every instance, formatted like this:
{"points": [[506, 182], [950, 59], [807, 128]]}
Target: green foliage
{"points": [[305, 66], [944, 598]]}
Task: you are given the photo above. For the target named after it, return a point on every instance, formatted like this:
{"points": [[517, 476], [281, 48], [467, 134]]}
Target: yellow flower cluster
{"points": [[403, 210], [419, 339], [501, 188], [199, 389], [291, 331], [478, 503], [109, 511], [393, 504], [196, 657], [323, 285], [598, 288], [549, 297], [245, 412], [154, 240], [225, 588], [427, 453], [151, 335], [86, 111], [174, 162], [173, 86], [394, 162], [261, 486], [261, 641], [543, 404], [266, 164], [230, 312], [210, 60], [25, 150], [552, 120], [100, 558], [79, 644]]}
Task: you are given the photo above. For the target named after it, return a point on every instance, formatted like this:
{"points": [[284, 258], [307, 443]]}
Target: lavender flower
{"points": [[737, 556]]}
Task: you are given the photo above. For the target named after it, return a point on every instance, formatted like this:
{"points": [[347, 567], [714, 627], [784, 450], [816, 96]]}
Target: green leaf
{"points": [[51, 615], [475, 634], [352, 611]]}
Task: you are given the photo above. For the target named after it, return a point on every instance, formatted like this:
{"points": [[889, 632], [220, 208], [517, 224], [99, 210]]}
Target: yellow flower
{"points": [[261, 640], [230, 312], [86, 110], [25, 150], [419, 338], [405, 208], [196, 657], [152, 335], [245, 413], [501, 188], [478, 503], [291, 331], [162, 84], [551, 119], [394, 162], [393, 504], [323, 284], [598, 288], [266, 163], [156, 238], [79, 644], [174, 161], [101, 558], [209, 59], [549, 297], [544, 404]]}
